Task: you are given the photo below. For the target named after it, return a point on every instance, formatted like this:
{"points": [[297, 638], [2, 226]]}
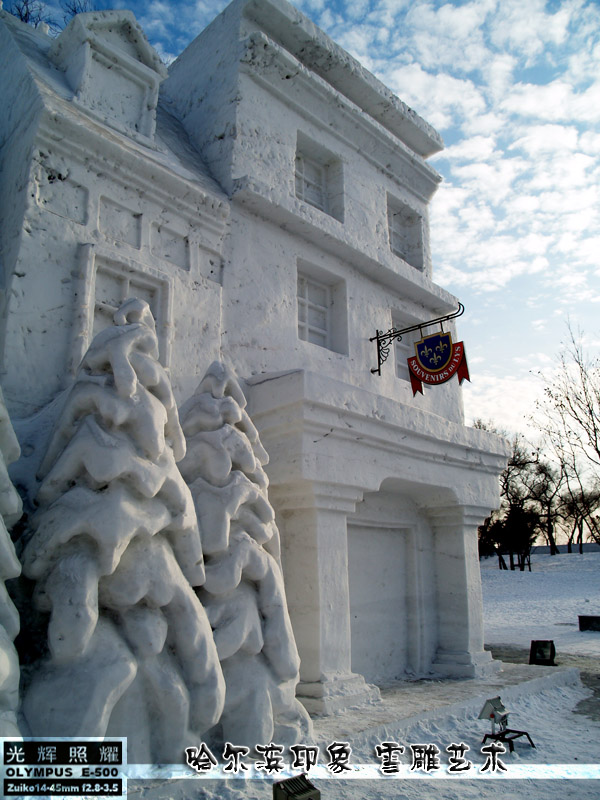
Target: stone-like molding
{"points": [[95, 43], [299, 413], [336, 693], [72, 135], [263, 53], [303, 39], [328, 233], [266, 62], [318, 495]]}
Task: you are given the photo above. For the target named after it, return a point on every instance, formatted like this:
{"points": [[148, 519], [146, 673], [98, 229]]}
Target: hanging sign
{"points": [[384, 342], [437, 360]]}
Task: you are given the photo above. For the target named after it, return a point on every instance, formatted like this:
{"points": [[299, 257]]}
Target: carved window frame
{"points": [[93, 257], [314, 304], [319, 179], [405, 233], [327, 302]]}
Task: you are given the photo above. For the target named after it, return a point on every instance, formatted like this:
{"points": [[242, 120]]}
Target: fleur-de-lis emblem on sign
{"points": [[435, 351]]}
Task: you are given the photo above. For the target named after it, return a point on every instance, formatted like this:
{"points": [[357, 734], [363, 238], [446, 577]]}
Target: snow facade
{"points": [[268, 200]]}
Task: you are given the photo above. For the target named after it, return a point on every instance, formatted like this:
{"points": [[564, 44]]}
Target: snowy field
{"points": [[543, 604]]}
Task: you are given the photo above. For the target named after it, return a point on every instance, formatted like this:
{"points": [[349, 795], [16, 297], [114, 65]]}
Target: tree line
{"points": [[552, 488]]}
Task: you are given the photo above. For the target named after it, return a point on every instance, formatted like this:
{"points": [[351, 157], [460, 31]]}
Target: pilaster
{"points": [[459, 599], [312, 518]]}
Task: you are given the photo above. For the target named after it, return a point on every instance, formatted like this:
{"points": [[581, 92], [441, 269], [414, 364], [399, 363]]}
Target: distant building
{"points": [[269, 200]]}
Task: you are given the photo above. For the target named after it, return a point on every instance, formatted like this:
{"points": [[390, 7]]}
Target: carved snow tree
{"points": [[115, 553], [10, 511], [243, 593]]}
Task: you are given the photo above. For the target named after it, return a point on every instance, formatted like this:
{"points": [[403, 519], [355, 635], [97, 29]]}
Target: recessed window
{"points": [[115, 282], [114, 287], [314, 311], [318, 178], [311, 184], [108, 278], [405, 228], [322, 318]]}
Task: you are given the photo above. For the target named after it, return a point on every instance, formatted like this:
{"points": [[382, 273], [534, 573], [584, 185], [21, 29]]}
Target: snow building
{"points": [[268, 197]]}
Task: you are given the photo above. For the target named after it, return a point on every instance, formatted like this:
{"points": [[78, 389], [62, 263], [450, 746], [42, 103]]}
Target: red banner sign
{"points": [[437, 360]]}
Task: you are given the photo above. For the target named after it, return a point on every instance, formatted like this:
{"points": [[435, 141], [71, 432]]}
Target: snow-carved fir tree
{"points": [[10, 511], [115, 553], [243, 593]]}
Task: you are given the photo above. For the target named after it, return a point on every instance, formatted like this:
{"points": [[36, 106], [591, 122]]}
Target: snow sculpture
{"points": [[10, 511], [243, 593], [115, 553]]}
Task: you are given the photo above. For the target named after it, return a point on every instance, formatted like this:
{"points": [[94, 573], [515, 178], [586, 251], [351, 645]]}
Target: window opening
{"points": [[311, 185], [314, 311]]}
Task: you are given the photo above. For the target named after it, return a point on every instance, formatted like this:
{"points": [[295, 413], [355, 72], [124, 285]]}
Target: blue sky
{"points": [[513, 86]]}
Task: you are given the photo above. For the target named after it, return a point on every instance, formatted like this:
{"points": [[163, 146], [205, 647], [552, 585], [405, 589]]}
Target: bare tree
{"points": [[580, 511], [71, 8], [35, 12], [569, 417], [543, 483], [32, 12], [514, 527]]}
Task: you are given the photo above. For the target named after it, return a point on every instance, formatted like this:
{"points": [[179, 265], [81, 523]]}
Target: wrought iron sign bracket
{"points": [[384, 340]]}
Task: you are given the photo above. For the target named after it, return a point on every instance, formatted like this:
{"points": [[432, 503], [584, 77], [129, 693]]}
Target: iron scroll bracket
{"points": [[384, 340]]}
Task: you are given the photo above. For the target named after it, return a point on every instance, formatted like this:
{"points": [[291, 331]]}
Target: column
{"points": [[312, 519], [459, 599]]}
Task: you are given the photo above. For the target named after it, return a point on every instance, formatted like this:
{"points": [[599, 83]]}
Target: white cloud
{"points": [[357, 9], [525, 205], [589, 142], [170, 27], [497, 72], [507, 401], [524, 28], [486, 124], [312, 5], [493, 180], [387, 13], [440, 98], [326, 19], [570, 171], [554, 102], [476, 148], [450, 36], [559, 201], [539, 139]]}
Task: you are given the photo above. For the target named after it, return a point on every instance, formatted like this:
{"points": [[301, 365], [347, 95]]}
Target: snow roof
{"points": [[173, 148], [312, 47], [119, 29]]}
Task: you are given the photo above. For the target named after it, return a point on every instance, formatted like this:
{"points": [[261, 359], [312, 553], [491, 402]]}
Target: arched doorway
{"points": [[392, 588]]}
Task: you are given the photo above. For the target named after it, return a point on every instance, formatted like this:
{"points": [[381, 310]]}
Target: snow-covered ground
{"points": [[543, 604]]}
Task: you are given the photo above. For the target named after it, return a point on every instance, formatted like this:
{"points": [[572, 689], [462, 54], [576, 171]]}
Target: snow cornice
{"points": [[311, 46], [269, 64], [72, 133]]}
